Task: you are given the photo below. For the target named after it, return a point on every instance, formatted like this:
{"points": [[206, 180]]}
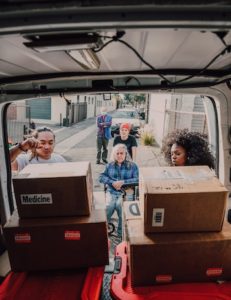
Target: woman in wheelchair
{"points": [[120, 172]]}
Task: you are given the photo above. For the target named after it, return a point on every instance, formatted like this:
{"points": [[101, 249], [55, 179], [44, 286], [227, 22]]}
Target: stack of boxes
{"points": [[55, 225], [176, 232]]}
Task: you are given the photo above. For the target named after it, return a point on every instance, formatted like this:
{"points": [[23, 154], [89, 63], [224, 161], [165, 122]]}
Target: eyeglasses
{"points": [[120, 153], [41, 129]]}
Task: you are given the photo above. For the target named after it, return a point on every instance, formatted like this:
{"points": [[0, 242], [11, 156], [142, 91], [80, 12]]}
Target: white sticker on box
{"points": [[158, 217], [163, 278], [214, 272], [72, 235], [36, 199], [22, 238]]}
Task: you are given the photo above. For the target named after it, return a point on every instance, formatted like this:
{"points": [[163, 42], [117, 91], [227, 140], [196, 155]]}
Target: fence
{"points": [[194, 121], [17, 123], [78, 112]]}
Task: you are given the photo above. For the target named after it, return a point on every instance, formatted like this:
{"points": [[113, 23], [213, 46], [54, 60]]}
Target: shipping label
{"points": [[158, 217], [29, 199], [132, 210]]}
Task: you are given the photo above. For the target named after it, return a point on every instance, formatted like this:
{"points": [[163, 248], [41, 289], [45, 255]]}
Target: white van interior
{"points": [[59, 61]]}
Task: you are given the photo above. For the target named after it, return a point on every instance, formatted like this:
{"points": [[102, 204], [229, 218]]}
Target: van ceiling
{"points": [[94, 46]]}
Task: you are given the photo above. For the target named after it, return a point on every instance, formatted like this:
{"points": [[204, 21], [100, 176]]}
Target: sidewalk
{"points": [[149, 156]]}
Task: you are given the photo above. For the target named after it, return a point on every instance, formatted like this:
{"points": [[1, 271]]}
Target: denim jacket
{"points": [[104, 126]]}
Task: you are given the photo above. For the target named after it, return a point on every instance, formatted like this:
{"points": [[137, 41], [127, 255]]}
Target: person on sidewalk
{"points": [[35, 150], [118, 173], [104, 121], [127, 139], [187, 148]]}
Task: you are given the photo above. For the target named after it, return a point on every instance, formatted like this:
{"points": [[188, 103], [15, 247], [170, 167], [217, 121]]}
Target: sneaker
{"points": [[98, 162], [105, 161]]}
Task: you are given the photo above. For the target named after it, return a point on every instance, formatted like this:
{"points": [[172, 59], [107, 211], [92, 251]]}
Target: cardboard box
{"points": [[159, 258], [57, 243], [60, 189], [179, 199]]}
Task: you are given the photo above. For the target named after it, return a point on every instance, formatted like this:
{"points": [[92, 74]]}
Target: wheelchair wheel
{"points": [[110, 228]]}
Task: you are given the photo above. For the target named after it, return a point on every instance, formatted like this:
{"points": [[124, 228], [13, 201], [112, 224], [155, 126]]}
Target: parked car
{"points": [[125, 115]]}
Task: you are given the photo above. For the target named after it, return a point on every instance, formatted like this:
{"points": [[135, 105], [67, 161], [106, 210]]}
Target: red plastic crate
{"points": [[82, 284], [121, 287]]}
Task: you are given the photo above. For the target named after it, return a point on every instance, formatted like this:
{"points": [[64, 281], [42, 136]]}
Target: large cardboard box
{"points": [[60, 189], [158, 258], [57, 243], [177, 199]]}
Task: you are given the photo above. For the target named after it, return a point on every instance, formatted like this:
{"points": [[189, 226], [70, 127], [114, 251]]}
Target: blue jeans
{"points": [[115, 204]]}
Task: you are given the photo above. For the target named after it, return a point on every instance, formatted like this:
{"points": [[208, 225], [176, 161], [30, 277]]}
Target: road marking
{"points": [[70, 142]]}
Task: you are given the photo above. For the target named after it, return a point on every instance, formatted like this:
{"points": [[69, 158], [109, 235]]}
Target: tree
{"points": [[128, 98], [135, 99], [139, 98]]}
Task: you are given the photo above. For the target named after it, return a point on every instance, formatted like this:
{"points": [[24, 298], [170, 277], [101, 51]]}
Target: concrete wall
{"points": [[109, 104], [170, 111], [59, 107], [158, 103]]}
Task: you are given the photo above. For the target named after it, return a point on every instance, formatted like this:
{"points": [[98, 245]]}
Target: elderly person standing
{"points": [[35, 150], [103, 135], [118, 173], [127, 139]]}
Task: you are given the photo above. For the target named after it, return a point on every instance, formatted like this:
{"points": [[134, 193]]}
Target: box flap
{"points": [[180, 180], [66, 169]]}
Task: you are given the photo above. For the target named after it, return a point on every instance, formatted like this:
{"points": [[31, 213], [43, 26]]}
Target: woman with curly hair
{"points": [[187, 148]]}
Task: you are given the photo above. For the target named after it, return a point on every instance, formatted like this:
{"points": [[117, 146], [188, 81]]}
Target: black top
{"points": [[129, 142]]}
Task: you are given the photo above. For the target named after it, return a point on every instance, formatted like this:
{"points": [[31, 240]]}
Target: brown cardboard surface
{"points": [[177, 257], [179, 199], [60, 189], [57, 243]]}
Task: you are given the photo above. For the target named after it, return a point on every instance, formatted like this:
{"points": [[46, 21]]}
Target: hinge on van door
{"points": [[117, 265]]}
